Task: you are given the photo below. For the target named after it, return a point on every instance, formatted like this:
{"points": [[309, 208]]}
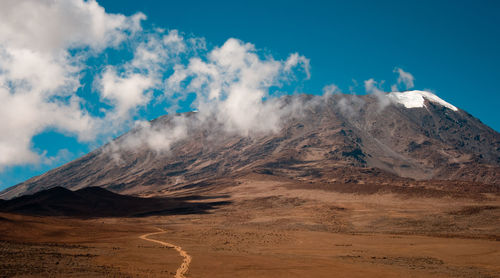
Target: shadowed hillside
{"points": [[99, 202]]}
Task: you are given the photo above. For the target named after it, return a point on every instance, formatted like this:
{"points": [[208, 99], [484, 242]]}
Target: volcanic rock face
{"points": [[343, 138]]}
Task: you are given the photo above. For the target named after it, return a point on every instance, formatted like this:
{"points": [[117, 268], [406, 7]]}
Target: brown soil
{"points": [[270, 227]]}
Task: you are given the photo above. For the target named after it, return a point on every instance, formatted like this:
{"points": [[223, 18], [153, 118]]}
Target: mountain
{"points": [[398, 138], [99, 202]]}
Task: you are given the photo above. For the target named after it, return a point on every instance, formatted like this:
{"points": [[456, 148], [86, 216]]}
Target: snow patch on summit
{"points": [[416, 99]]}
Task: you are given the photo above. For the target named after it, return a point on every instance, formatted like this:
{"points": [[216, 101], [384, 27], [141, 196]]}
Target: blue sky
{"points": [[450, 47]]}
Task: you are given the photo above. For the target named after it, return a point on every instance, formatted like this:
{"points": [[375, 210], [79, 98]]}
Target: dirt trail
{"points": [[183, 269]]}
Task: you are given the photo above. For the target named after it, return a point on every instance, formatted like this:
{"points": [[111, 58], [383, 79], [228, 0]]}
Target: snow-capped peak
{"points": [[416, 99]]}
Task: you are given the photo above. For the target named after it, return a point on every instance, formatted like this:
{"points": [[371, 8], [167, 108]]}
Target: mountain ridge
{"points": [[332, 139]]}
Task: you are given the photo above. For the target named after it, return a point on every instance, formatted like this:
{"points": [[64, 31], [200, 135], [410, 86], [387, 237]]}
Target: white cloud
{"points": [[157, 50], [330, 90], [372, 87], [233, 82], [294, 60], [54, 25], [25, 114], [129, 86], [44, 48], [347, 105], [61, 156], [158, 138], [232, 95], [174, 42], [125, 93], [39, 75], [404, 78]]}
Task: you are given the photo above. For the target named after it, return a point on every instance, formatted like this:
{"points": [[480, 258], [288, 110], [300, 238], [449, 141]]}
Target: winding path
{"points": [[183, 269]]}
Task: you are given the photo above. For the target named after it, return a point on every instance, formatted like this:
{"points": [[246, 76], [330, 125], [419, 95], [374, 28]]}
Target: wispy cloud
{"points": [[43, 58], [232, 86], [404, 78], [373, 87]]}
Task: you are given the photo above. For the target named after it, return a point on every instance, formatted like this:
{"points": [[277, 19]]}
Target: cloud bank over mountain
{"points": [[52, 52]]}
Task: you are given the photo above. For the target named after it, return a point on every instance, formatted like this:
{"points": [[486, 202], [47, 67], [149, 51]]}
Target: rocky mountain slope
{"points": [[399, 139]]}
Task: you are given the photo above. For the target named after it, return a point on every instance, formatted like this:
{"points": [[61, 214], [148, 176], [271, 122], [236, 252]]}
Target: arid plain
{"points": [[270, 227]]}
